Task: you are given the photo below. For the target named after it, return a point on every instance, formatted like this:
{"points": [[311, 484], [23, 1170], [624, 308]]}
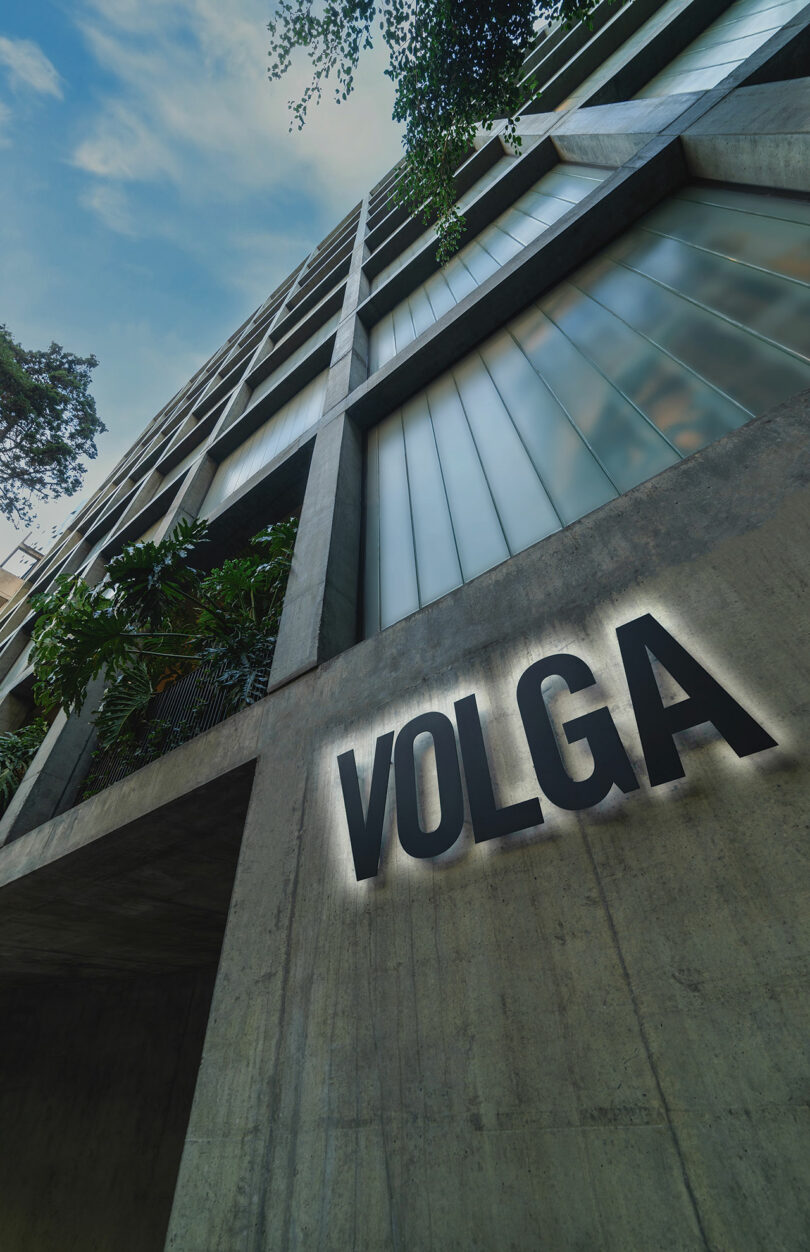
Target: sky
{"points": [[151, 194]]}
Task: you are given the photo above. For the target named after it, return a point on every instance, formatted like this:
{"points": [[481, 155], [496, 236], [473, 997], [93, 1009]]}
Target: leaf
{"points": [[127, 695], [153, 581], [456, 65], [17, 749], [153, 619], [48, 422]]}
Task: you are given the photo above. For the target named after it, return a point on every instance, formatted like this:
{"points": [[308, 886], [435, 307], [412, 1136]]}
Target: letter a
{"points": [[707, 700]]}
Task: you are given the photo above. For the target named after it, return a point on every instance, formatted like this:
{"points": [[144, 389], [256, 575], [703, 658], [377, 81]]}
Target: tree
{"points": [[48, 422], [17, 750], [154, 619], [456, 66]]}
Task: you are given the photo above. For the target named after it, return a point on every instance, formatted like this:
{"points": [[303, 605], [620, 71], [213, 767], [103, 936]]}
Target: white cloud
{"points": [[193, 105], [5, 116], [124, 146], [110, 203], [29, 67]]}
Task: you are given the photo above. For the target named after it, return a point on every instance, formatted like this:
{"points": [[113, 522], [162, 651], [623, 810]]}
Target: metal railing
{"points": [[183, 710]]}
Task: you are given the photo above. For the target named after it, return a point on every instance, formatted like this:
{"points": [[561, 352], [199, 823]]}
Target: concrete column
{"points": [[190, 495], [349, 367], [320, 608], [143, 495], [14, 713], [56, 773], [12, 650]]}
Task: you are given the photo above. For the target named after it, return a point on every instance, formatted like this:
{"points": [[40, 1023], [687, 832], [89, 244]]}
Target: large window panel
{"points": [[544, 204], [399, 589], [276, 434], [295, 358], [632, 47], [487, 180], [724, 45], [688, 325], [434, 544]]}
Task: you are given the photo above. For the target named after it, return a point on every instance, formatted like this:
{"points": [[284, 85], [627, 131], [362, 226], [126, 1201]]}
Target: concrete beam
{"points": [[189, 498], [758, 135]]}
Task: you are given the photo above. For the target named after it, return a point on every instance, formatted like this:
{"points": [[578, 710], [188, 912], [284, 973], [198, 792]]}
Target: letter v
{"points": [[365, 832]]}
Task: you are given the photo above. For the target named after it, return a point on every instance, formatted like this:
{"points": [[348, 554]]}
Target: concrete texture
{"points": [[10, 584], [109, 951], [54, 777], [320, 615], [151, 896], [723, 144], [588, 1037]]}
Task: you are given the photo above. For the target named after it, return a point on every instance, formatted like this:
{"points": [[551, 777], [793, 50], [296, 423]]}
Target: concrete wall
{"points": [[591, 1036], [10, 584]]}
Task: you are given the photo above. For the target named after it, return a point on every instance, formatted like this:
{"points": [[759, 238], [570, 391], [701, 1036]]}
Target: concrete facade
{"points": [[590, 1034]]}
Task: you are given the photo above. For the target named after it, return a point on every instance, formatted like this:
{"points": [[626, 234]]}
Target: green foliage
{"points": [[17, 750], [456, 66], [151, 582], [126, 697], [77, 635], [48, 422], [157, 617]]}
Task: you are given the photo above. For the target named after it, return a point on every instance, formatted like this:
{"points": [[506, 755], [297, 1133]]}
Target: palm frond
{"points": [[127, 695]]}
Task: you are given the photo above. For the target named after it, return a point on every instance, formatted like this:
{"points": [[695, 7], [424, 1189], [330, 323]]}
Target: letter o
{"points": [[417, 842]]}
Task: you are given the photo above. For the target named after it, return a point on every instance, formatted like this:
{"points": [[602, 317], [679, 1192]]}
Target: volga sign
{"points": [[657, 723]]}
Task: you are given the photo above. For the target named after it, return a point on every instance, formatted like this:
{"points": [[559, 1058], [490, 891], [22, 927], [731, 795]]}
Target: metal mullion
{"points": [[444, 485], [746, 212], [614, 386], [410, 509], [495, 508]]}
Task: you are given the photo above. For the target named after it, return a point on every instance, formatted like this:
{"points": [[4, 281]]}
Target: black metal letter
{"points": [[707, 700], [426, 843], [488, 821], [611, 763], [366, 832]]}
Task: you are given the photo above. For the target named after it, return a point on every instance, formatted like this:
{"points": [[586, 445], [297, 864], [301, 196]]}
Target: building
{"points": [[580, 446], [19, 563]]}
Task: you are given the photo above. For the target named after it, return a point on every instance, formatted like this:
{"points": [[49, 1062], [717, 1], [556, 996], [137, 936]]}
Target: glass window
{"points": [[724, 45], [545, 203], [276, 434], [688, 325]]}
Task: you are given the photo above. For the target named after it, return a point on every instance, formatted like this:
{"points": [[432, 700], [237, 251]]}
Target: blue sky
{"points": [[151, 194]]}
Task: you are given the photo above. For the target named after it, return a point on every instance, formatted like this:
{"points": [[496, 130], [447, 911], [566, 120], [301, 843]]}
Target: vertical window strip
{"points": [[371, 604]]}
